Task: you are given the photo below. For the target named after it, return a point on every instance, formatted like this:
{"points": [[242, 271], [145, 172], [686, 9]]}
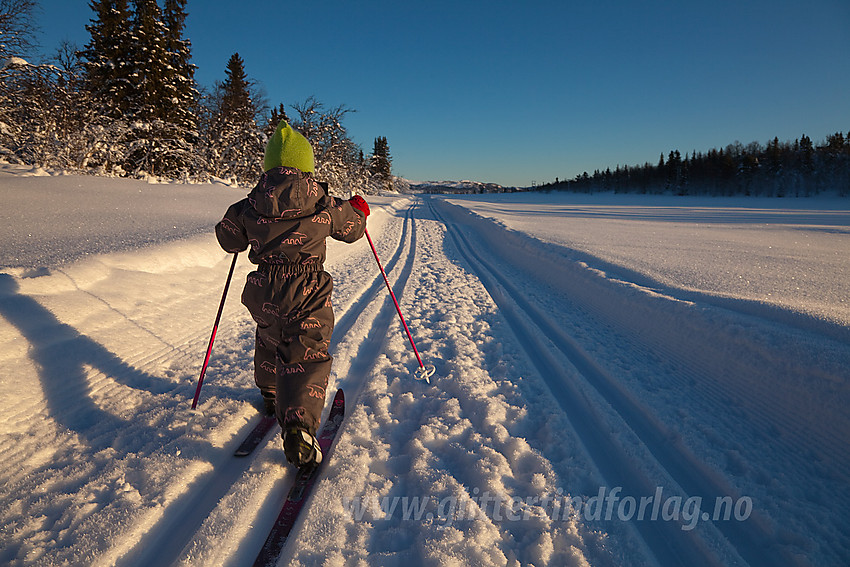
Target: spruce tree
{"points": [[150, 63], [108, 57], [275, 116], [182, 99], [236, 101], [381, 163], [159, 109], [234, 142]]}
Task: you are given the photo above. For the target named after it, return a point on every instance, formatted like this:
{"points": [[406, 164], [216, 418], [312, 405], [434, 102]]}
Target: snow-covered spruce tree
{"points": [[275, 116], [835, 159], [233, 144], [380, 165], [182, 97], [139, 75], [108, 57], [107, 88], [160, 144], [338, 158]]}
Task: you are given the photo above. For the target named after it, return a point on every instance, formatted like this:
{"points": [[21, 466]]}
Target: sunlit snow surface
{"points": [[793, 253], [586, 346]]}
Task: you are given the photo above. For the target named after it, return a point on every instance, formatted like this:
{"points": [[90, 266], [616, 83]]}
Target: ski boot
{"points": [[301, 448], [268, 403]]}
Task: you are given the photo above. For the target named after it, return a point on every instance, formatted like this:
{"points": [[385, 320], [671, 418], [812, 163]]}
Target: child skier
{"points": [[285, 220]]}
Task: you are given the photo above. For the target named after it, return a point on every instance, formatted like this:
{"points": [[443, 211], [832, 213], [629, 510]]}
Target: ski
{"points": [[305, 478], [256, 436]]}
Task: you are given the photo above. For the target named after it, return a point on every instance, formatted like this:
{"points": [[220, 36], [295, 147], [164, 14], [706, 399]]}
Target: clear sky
{"points": [[513, 92]]}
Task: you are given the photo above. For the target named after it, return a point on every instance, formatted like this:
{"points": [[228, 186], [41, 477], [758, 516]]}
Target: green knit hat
{"points": [[288, 148]]}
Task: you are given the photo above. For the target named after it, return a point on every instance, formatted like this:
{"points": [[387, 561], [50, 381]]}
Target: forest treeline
{"points": [[127, 104], [777, 169]]}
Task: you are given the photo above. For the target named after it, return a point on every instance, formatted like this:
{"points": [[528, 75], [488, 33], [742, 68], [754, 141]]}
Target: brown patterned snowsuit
{"points": [[285, 221]]}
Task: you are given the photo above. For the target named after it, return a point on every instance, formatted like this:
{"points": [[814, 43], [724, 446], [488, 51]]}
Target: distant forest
{"points": [[778, 169]]}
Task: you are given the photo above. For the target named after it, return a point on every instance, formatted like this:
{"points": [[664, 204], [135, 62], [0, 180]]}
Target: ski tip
{"points": [[339, 399]]}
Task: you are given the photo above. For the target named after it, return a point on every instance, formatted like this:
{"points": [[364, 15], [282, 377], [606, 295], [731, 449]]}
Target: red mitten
{"points": [[360, 204]]}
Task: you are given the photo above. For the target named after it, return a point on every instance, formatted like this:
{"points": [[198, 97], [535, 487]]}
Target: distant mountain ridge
{"points": [[464, 186]]}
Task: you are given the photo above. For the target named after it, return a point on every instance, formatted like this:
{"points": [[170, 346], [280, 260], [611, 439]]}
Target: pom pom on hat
{"points": [[288, 148]]}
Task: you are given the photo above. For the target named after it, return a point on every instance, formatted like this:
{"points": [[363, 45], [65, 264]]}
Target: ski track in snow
{"points": [[556, 377], [750, 382]]}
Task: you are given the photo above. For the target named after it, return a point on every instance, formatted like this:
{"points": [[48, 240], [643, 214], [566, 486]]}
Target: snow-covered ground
{"points": [[789, 253], [620, 381]]}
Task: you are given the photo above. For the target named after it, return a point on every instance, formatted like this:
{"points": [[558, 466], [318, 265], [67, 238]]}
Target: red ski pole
{"points": [[212, 336], [423, 372]]}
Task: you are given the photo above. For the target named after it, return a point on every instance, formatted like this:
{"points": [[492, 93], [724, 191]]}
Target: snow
{"points": [[88, 216], [790, 253], [13, 62], [634, 358]]}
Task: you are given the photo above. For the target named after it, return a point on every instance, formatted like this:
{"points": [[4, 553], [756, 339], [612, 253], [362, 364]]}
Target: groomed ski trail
{"points": [[435, 431], [361, 301], [555, 377], [703, 354]]}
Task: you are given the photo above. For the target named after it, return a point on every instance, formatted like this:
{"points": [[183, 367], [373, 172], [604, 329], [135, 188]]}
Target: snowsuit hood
{"points": [[285, 192], [285, 220]]}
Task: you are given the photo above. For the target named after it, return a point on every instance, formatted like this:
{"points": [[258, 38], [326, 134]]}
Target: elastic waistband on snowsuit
{"points": [[289, 269]]}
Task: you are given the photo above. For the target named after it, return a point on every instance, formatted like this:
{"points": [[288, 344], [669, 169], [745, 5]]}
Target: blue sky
{"points": [[513, 92]]}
